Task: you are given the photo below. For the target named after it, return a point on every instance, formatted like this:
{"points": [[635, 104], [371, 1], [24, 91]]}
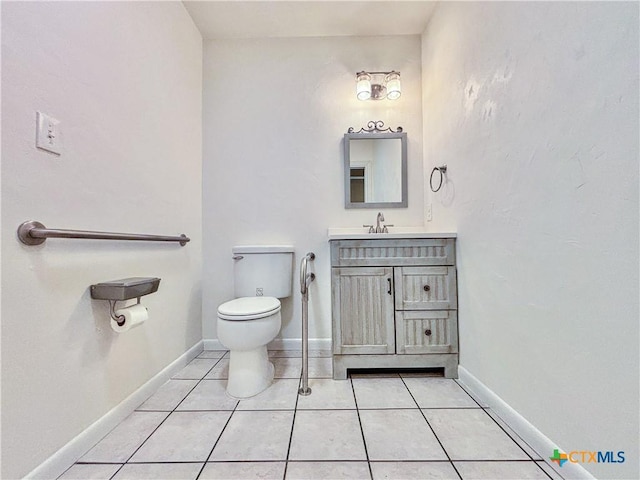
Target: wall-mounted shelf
{"points": [[125, 289]]}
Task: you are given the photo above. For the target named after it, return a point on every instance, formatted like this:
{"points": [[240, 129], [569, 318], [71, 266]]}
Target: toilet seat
{"points": [[249, 308]]}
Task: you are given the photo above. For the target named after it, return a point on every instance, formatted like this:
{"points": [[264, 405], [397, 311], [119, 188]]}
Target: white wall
{"points": [[124, 79], [534, 107], [275, 112]]}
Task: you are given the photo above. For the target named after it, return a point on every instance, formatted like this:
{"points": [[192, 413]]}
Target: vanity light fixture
{"points": [[378, 85]]}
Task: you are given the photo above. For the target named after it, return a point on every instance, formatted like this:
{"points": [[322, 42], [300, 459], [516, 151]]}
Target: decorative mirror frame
{"points": [[375, 130]]}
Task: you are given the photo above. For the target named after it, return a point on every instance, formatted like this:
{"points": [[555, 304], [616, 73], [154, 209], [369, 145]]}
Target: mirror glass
{"points": [[375, 170]]}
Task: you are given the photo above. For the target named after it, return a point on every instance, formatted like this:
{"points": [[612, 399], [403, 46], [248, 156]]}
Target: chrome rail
{"points": [[35, 233], [305, 279]]}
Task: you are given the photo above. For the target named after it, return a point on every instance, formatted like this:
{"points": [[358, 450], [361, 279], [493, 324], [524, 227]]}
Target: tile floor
{"points": [[385, 426]]}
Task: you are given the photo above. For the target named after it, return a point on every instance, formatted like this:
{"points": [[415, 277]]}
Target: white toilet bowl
{"points": [[245, 326]]}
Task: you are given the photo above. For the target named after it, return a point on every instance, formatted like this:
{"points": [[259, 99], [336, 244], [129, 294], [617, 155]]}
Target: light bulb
{"points": [[363, 86], [393, 86]]}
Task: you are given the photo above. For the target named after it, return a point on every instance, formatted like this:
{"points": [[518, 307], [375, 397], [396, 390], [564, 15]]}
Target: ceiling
{"points": [[305, 18]]}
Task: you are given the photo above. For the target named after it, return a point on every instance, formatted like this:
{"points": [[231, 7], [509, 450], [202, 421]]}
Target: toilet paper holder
{"points": [[123, 289]]}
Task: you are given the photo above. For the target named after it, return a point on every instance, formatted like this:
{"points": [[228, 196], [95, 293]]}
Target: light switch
{"points": [[48, 134]]}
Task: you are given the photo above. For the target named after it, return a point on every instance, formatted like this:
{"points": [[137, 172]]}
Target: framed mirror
{"points": [[375, 167]]}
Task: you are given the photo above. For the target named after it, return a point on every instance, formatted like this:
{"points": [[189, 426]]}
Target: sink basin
{"points": [[361, 233]]}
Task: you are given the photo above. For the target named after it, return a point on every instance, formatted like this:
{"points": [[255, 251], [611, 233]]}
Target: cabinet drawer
{"points": [[391, 252], [427, 332], [425, 288]]}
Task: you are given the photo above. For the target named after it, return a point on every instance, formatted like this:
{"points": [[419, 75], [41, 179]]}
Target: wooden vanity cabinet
{"points": [[394, 304]]}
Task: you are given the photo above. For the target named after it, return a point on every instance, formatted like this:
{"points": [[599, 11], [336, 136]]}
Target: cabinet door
{"points": [[426, 288], [427, 331], [363, 320]]}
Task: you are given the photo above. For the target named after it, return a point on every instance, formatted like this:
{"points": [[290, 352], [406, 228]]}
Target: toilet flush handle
{"points": [[238, 257]]}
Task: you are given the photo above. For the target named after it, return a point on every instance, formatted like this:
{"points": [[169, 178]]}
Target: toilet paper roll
{"points": [[133, 316]]}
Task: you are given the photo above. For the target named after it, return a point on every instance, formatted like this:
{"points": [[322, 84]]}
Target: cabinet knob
{"points": [[426, 288], [427, 332]]}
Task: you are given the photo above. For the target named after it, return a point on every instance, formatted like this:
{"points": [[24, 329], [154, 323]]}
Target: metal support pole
{"points": [[305, 280]]}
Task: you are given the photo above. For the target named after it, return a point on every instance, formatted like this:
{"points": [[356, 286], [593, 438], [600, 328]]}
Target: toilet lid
{"points": [[249, 308]]}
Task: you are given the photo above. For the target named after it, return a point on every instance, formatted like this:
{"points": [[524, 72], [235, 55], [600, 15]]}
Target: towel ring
{"points": [[442, 170]]}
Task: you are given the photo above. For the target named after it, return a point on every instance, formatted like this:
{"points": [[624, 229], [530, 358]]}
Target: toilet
{"points": [[262, 274]]}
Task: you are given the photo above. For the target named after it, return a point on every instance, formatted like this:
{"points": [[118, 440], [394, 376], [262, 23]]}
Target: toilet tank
{"points": [[263, 270]]}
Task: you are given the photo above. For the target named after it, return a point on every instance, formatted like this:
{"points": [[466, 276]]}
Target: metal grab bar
{"points": [[35, 233], [305, 280]]}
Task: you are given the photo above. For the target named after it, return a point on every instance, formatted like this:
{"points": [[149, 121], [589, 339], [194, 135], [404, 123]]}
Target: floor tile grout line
{"points": [[191, 410], [117, 471], [196, 385], [242, 461], [547, 473], [470, 396], [293, 423], [431, 428], [486, 409], [172, 462], [493, 460], [421, 408], [189, 393], [212, 367], [514, 434], [543, 470], [148, 436], [188, 462], [511, 436], [170, 413], [348, 461], [364, 440], [180, 402], [215, 444], [78, 463], [207, 373], [530, 459], [143, 442], [168, 462], [224, 352], [242, 410]]}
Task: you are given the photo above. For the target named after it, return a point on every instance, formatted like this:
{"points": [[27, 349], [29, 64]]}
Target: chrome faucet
{"points": [[379, 219], [378, 228]]}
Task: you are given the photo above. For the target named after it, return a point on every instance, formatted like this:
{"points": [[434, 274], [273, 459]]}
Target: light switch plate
{"points": [[429, 213], [48, 134]]}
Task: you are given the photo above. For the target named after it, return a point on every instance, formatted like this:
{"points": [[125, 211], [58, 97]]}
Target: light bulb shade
{"points": [[363, 86], [393, 86]]}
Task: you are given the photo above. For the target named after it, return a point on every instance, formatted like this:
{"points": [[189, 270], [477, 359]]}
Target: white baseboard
{"points": [[64, 458], [278, 344], [213, 344], [520, 425]]}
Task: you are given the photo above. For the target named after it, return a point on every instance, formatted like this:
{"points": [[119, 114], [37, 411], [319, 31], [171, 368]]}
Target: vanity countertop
{"points": [[360, 233]]}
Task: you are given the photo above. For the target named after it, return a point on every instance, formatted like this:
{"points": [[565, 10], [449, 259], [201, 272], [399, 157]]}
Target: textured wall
{"points": [[275, 112], [124, 79], [534, 107]]}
